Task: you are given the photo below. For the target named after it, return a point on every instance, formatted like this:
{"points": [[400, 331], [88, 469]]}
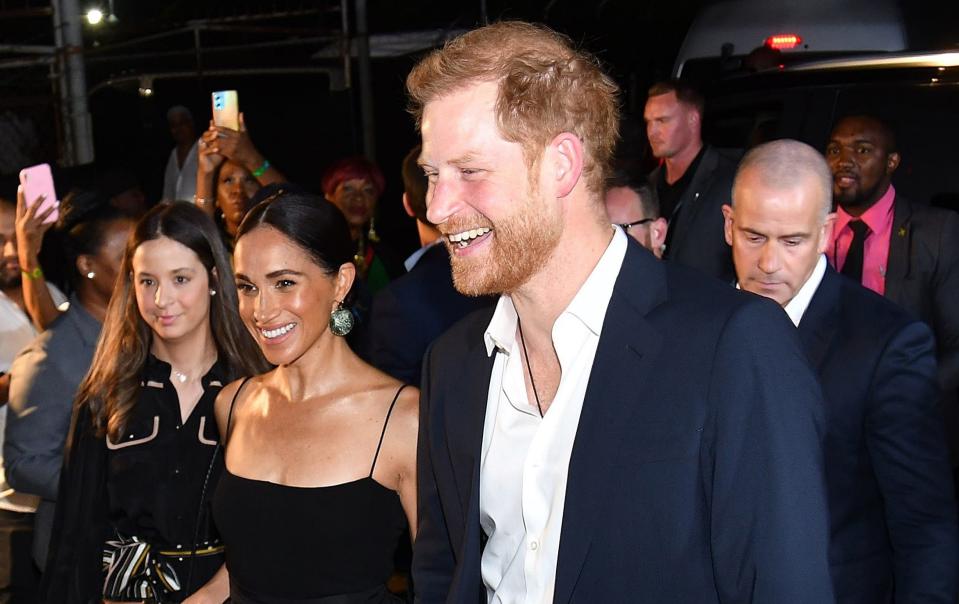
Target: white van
{"points": [[725, 32]]}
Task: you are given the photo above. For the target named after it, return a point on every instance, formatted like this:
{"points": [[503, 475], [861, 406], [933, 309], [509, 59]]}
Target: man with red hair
{"points": [[617, 429]]}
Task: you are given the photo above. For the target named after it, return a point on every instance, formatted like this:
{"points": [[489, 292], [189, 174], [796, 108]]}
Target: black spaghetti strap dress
{"points": [[309, 545]]}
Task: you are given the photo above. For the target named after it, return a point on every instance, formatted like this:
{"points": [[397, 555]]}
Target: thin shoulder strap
{"points": [[383, 433], [229, 418]]}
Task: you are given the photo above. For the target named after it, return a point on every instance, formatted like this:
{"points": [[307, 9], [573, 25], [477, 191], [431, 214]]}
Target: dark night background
{"points": [[297, 121]]}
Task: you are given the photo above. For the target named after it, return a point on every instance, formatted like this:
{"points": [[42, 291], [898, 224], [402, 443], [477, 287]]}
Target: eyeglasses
{"points": [[626, 226]]}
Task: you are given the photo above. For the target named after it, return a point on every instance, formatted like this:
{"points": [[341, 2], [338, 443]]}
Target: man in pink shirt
{"points": [[861, 157], [908, 252]]}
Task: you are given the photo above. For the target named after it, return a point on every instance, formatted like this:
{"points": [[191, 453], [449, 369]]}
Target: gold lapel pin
{"points": [[902, 231]]}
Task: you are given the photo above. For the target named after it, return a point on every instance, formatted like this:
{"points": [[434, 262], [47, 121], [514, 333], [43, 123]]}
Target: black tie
{"points": [[852, 268]]}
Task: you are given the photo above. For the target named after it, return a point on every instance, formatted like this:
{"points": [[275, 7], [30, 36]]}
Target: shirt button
{"points": [[534, 545], [176, 471]]}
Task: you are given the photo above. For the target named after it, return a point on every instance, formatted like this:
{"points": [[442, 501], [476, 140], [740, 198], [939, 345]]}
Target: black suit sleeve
{"points": [[909, 457], [433, 560], [763, 465], [394, 338], [73, 573], [946, 303]]}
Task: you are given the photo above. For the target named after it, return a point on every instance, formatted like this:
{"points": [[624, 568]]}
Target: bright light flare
{"points": [[94, 16], [783, 41]]}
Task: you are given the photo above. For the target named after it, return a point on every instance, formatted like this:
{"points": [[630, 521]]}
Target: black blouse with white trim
{"points": [[156, 472]]}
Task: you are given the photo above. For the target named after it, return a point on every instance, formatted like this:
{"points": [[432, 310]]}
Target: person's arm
{"points": [[216, 590], [762, 464], [30, 230], [208, 162], [38, 419], [399, 449], [433, 558], [907, 448], [237, 146]]}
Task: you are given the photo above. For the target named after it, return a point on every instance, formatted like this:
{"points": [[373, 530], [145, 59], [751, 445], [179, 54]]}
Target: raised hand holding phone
{"points": [[226, 109], [31, 225], [33, 221], [37, 184]]}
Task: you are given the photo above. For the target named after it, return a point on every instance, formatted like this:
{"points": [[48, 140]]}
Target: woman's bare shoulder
{"points": [[226, 396]]}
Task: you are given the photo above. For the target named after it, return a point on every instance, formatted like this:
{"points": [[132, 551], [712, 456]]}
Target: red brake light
{"points": [[783, 41]]}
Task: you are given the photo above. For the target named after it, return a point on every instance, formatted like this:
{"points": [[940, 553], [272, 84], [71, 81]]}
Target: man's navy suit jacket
{"points": [[893, 514], [696, 473], [697, 238], [412, 311], [923, 278]]}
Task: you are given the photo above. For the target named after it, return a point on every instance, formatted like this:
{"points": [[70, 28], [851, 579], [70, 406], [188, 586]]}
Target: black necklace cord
{"points": [[529, 368]]}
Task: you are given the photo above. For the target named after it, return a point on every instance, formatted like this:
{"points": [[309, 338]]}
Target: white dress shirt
{"points": [[796, 307], [180, 183], [525, 458], [16, 332]]}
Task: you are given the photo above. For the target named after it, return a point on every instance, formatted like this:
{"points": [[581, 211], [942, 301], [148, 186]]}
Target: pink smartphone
{"points": [[226, 109], [37, 182]]}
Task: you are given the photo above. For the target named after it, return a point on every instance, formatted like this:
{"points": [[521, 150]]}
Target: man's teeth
{"points": [[464, 238], [279, 331]]}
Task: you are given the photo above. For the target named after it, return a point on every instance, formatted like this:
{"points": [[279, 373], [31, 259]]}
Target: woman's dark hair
{"points": [[312, 223], [83, 222], [112, 384]]}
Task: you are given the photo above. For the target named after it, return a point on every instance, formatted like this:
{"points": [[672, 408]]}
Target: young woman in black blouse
{"points": [[132, 521]]}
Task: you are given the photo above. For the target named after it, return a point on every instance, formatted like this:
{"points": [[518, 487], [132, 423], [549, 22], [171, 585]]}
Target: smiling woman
{"points": [[323, 446], [132, 521]]}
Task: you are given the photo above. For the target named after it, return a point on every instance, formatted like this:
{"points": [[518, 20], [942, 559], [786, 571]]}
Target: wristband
{"points": [[35, 274], [262, 169]]}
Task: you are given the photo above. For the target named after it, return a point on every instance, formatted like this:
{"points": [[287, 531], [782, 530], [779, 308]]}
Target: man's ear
{"points": [[657, 235], [826, 234], [565, 155], [892, 162], [407, 206], [728, 223]]}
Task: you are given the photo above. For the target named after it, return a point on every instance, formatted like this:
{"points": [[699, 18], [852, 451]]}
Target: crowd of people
{"points": [[750, 365]]}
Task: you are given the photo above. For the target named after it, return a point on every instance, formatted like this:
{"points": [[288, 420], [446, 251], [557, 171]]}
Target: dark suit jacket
{"points": [[893, 515], [698, 239], [923, 276], [414, 310], [696, 473]]}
